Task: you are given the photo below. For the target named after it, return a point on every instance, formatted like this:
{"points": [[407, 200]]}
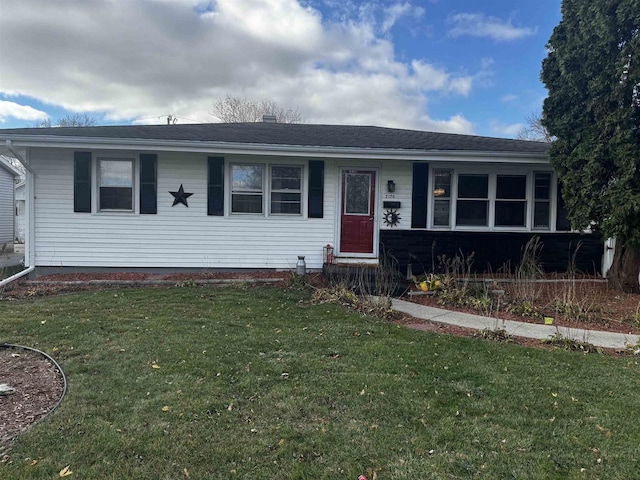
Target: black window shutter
{"points": [[215, 187], [148, 183], [82, 182], [419, 195], [316, 188], [562, 222]]}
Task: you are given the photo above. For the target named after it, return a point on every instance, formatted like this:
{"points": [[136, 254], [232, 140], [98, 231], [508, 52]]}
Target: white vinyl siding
{"points": [[7, 210], [401, 173], [177, 237]]}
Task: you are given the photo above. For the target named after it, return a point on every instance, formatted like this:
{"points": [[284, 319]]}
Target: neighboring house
{"points": [[8, 174], [257, 195], [20, 214]]}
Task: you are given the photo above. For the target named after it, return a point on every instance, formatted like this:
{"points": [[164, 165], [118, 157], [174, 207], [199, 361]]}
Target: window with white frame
{"points": [[511, 201], [286, 190], [500, 200], [247, 188], [254, 187], [442, 198], [472, 206], [115, 184], [542, 200]]}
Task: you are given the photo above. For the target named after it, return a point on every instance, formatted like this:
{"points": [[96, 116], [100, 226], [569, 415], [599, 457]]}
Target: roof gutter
{"points": [[29, 254], [271, 149], [9, 145]]}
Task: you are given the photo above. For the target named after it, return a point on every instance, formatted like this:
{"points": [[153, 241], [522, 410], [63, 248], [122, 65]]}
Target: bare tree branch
{"points": [[534, 130], [70, 120], [234, 109]]}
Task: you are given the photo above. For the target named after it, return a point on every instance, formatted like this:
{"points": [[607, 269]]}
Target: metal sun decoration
{"points": [[391, 217], [180, 197]]}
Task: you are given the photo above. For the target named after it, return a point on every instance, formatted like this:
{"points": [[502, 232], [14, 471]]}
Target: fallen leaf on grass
{"points": [[165, 409], [155, 365], [65, 472]]}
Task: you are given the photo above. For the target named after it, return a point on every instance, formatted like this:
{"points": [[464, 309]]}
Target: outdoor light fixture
{"points": [[391, 186]]}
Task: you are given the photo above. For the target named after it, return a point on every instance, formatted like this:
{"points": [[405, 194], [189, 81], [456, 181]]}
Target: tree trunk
{"points": [[623, 274]]}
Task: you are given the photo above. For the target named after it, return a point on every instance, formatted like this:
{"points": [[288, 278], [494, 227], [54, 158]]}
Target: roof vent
{"points": [[269, 119]]}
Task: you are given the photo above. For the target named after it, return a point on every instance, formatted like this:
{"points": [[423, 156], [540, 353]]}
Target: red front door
{"points": [[358, 214]]}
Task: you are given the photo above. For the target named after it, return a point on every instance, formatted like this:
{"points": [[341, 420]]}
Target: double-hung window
{"points": [[247, 188], [442, 198], [472, 207], [115, 184], [511, 201], [542, 200], [286, 190], [256, 188]]}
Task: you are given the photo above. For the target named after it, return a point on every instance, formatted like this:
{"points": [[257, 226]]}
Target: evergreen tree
{"points": [[592, 73]]}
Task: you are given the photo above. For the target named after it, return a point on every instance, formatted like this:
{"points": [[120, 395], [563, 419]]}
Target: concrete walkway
{"points": [[597, 338]]}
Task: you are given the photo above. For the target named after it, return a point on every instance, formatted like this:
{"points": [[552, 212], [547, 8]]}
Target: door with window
{"points": [[357, 218]]}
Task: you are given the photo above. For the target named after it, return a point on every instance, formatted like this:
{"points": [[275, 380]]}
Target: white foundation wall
{"points": [[177, 236]]}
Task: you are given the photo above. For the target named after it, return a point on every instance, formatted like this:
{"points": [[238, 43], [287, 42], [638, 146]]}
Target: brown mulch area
{"points": [[76, 282], [38, 387], [601, 308]]}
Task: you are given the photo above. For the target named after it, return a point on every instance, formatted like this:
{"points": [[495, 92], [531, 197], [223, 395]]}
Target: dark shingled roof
{"points": [[299, 134]]}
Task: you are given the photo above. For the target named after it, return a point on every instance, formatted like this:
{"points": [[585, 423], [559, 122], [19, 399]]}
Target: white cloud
{"points": [[147, 59], [21, 112], [509, 98], [480, 25], [505, 130], [398, 10]]}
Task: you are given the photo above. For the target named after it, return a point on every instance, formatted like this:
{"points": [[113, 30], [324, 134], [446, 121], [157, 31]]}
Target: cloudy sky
{"points": [[462, 66]]}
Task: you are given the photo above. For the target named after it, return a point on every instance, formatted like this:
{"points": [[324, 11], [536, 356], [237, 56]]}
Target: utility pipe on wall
{"points": [[30, 196]]}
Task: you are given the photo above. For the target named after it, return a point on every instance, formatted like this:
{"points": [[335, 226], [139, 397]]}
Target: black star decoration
{"points": [[180, 197]]}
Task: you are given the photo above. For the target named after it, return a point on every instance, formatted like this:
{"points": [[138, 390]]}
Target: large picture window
{"points": [[115, 182]]}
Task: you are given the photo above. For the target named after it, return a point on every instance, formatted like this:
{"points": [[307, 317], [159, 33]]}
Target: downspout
{"points": [[30, 231]]}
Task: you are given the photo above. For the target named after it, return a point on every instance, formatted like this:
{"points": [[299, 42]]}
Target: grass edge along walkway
{"points": [[597, 338]]}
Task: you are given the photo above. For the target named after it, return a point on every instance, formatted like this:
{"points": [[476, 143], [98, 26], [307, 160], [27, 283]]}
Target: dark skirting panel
{"points": [[492, 250]]}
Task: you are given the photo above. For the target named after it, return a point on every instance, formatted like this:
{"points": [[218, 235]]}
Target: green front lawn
{"points": [[257, 383]]}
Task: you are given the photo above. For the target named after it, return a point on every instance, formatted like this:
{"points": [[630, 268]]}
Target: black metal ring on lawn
{"points": [[56, 365]]}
